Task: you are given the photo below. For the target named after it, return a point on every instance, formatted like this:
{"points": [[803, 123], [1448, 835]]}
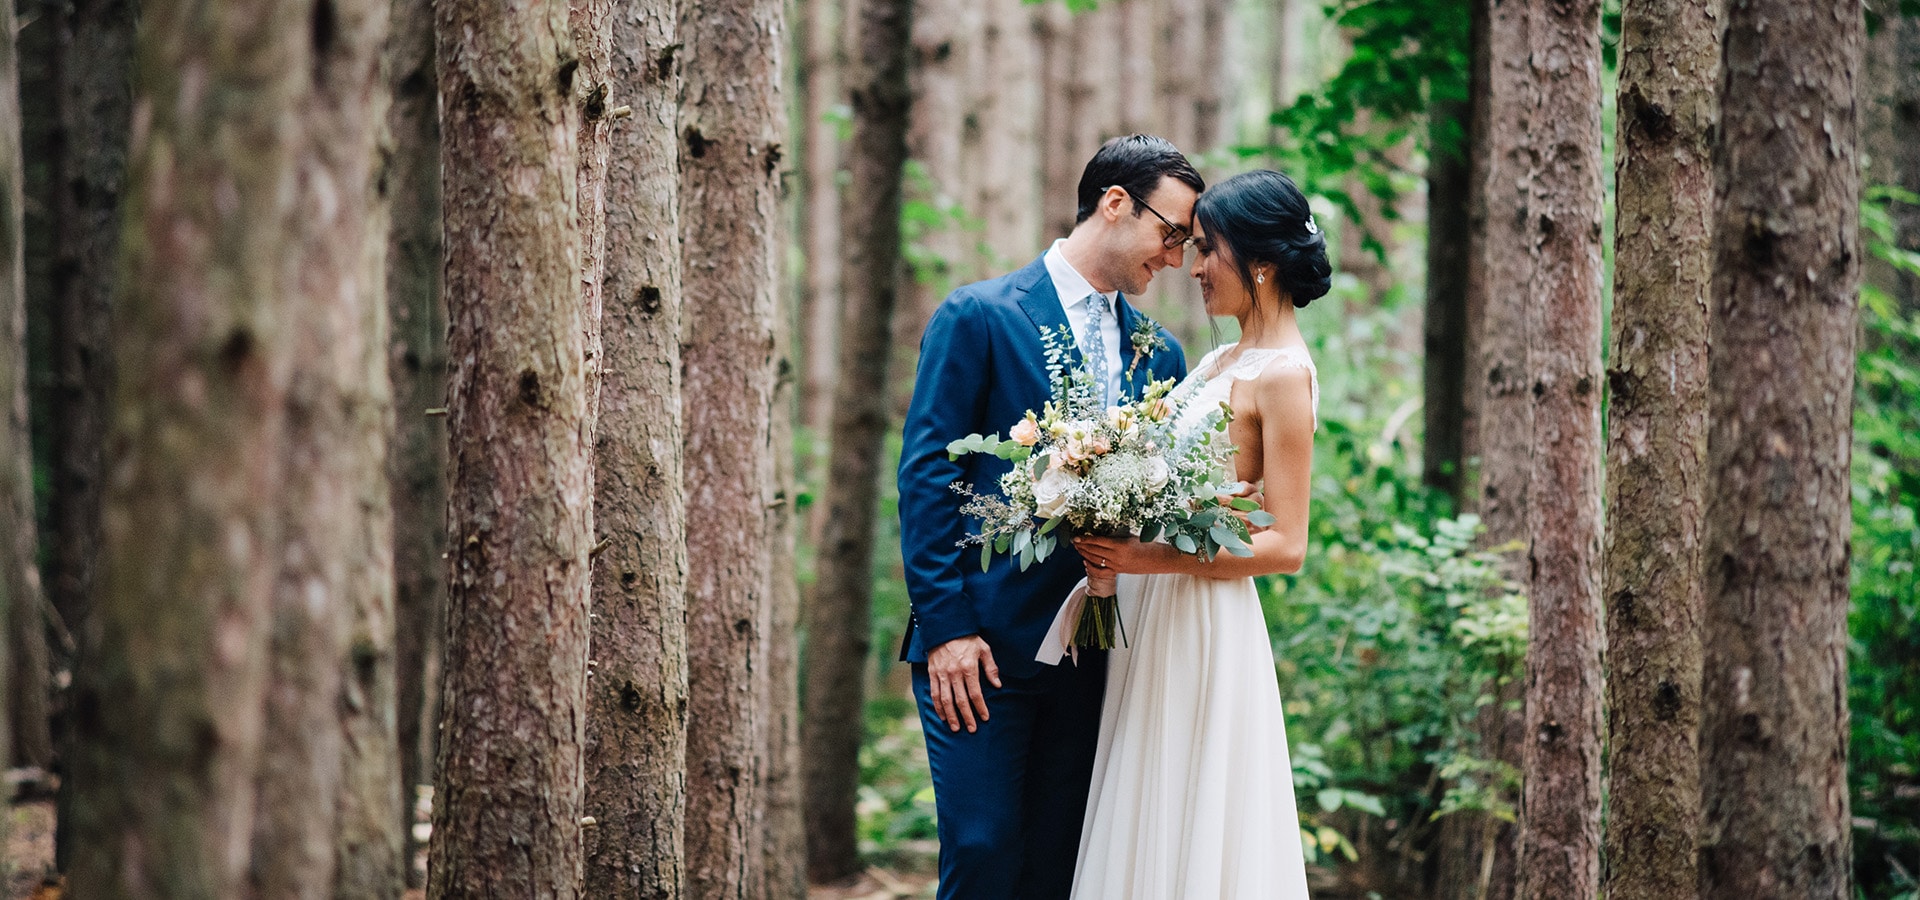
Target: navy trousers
{"points": [[1010, 797]]}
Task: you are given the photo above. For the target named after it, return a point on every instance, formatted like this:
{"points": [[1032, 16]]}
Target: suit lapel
{"points": [[1041, 303], [1130, 380]]}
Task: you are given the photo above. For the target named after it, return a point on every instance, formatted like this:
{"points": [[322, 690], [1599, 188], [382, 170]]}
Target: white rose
{"points": [[1158, 472], [1050, 492]]}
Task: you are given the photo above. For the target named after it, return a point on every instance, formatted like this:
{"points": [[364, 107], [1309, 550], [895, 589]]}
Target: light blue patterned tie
{"points": [[1094, 348]]}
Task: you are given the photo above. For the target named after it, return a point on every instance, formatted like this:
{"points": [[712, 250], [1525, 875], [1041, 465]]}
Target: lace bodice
{"points": [[1205, 389]]}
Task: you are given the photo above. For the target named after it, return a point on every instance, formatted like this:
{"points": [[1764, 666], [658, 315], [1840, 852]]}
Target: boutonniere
{"points": [[1146, 341]]}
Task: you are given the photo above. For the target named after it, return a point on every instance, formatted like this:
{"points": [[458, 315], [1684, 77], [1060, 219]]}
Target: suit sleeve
{"points": [[949, 402]]}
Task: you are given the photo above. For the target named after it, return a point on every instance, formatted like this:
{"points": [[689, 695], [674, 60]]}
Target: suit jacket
{"points": [[983, 367]]}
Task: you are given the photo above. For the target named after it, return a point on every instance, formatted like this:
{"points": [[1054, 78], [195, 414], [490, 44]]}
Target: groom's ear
{"points": [[1113, 203]]}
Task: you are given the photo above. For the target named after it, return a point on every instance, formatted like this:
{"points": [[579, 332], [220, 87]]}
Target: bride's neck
{"points": [[1271, 324]]}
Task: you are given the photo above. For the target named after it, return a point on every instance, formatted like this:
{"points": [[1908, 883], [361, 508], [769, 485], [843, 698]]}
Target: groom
{"points": [[1011, 742]]}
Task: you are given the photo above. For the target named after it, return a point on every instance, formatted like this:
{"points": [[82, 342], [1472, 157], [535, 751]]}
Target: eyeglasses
{"points": [[1176, 236]]}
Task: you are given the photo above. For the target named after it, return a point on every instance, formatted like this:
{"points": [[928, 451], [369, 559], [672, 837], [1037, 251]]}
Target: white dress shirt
{"points": [[1074, 291]]}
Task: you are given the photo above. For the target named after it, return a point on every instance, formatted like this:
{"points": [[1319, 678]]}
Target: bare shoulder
{"points": [[1285, 392]]}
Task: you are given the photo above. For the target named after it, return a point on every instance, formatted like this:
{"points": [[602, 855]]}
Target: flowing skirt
{"points": [[1192, 792]]}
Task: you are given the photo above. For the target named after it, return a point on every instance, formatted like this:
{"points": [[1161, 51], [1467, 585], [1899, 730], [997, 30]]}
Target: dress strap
{"points": [[1256, 360]]}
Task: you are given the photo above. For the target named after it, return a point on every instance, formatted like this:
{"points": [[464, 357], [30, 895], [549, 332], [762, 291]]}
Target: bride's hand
{"points": [[1124, 556], [1248, 490]]}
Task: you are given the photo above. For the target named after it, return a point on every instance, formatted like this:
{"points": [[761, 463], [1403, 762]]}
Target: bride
{"points": [[1192, 788]]}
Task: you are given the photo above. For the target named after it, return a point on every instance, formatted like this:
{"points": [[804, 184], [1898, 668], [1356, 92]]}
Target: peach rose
{"points": [[1026, 432]]}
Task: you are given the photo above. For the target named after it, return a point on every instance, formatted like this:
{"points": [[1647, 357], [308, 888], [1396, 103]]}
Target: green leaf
{"points": [[1229, 541], [1186, 543], [1244, 504], [1149, 532], [986, 556], [1261, 518], [1329, 799]]}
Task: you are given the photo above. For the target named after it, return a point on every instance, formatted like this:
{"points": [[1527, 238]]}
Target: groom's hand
{"points": [[953, 670]]}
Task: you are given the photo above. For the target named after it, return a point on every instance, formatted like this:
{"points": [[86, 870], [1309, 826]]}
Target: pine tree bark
{"points": [[1559, 850], [1657, 443], [333, 584], [1501, 339], [1786, 274], [13, 358], [417, 369], [168, 714], [942, 38], [91, 89], [785, 853], [637, 696], [23, 606], [1890, 141], [20, 598], [1507, 413], [507, 798], [838, 621], [1003, 132], [820, 86], [1449, 230], [731, 128], [372, 832]]}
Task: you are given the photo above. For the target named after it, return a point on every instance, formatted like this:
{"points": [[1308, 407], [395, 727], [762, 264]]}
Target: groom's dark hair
{"points": [[1136, 162]]}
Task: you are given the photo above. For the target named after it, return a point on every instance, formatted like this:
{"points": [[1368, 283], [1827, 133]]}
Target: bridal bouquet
{"points": [[1114, 471]]}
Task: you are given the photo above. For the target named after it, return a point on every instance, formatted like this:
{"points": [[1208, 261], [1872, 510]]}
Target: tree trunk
{"points": [[22, 604], [1449, 230], [371, 836], [1657, 442], [333, 581], [1560, 792], [637, 697], [731, 128], [1890, 141], [1501, 339], [942, 38], [168, 714], [417, 368], [820, 298], [507, 798], [1774, 746], [20, 583], [785, 853], [838, 620], [1004, 123], [1479, 150], [91, 87], [1507, 413]]}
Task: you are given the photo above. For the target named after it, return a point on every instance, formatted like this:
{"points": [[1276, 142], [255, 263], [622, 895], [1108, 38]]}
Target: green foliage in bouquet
{"points": [[1117, 471]]}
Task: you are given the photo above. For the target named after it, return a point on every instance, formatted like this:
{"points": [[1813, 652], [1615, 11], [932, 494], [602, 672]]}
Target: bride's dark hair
{"points": [[1263, 218]]}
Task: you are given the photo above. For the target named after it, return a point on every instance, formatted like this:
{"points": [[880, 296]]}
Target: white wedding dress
{"points": [[1192, 795]]}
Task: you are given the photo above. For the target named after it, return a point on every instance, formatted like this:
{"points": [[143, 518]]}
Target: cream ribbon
{"points": [[1058, 643]]}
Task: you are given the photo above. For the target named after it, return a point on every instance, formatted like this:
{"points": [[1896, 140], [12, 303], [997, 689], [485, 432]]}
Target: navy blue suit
{"points": [[1011, 796]]}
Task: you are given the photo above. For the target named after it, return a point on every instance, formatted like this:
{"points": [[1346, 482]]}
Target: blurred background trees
{"points": [[283, 317]]}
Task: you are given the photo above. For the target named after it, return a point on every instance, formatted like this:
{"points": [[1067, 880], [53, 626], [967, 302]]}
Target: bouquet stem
{"points": [[1099, 622]]}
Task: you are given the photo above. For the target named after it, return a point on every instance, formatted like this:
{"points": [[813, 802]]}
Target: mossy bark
{"points": [[1657, 443]]}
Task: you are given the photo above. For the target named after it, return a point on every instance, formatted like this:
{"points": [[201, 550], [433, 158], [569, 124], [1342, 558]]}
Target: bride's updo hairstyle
{"points": [[1263, 218]]}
